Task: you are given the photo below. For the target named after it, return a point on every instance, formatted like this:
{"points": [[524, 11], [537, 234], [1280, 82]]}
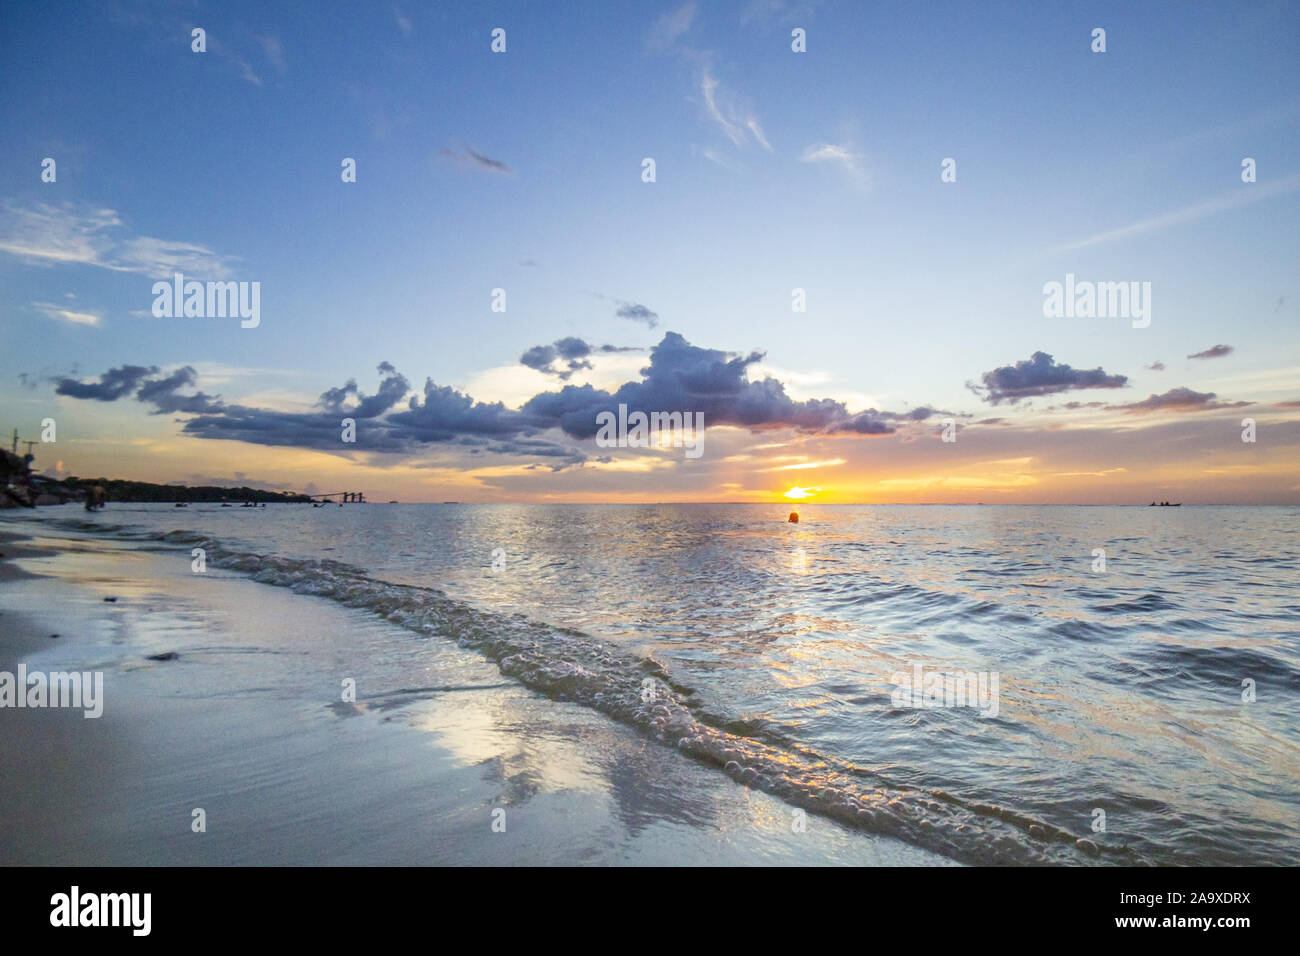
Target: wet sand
{"points": [[247, 722]]}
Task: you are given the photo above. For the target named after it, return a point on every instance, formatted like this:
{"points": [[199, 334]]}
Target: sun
{"points": [[799, 494]]}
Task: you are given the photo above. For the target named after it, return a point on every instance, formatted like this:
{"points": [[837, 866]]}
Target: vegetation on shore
{"points": [[121, 489], [20, 488]]}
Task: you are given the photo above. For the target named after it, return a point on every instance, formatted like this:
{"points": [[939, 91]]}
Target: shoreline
{"points": [[247, 724]]}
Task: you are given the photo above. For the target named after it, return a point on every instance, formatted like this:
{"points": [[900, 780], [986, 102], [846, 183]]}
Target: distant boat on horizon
{"points": [[1166, 504]]}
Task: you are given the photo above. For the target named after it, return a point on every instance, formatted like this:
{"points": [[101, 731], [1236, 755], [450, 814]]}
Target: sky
{"points": [[842, 261]]}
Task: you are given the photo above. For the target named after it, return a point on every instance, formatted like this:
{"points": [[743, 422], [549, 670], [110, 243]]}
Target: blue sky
{"points": [[774, 170]]}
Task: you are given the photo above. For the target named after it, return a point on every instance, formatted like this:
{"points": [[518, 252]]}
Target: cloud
{"points": [[217, 48], [631, 310], [443, 416], [842, 156], [566, 356], [1176, 400], [826, 152], [876, 422], [866, 423], [1040, 375], [572, 348], [539, 357], [679, 377], [44, 234], [111, 386], [274, 51], [163, 22], [161, 393], [637, 313], [67, 315], [1156, 366], [470, 158], [1217, 351], [713, 157], [735, 119], [159, 257], [403, 22], [808, 465], [668, 27], [776, 13], [683, 377], [392, 389], [48, 234], [1229, 201], [245, 70]]}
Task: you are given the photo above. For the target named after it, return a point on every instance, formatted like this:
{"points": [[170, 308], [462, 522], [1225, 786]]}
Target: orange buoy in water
{"points": [[794, 516]]}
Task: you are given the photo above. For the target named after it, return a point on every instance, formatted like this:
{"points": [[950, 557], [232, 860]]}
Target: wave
{"points": [[636, 690], [1146, 603]]}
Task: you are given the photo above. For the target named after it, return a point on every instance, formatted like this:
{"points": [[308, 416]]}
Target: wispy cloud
{"points": [[470, 158], [1176, 400], [734, 118], [1246, 195], [217, 48], [164, 22], [804, 466], [51, 235], [403, 22], [713, 157], [842, 156], [247, 72], [274, 52], [632, 311], [67, 315], [1217, 351], [772, 13], [667, 28], [637, 313]]}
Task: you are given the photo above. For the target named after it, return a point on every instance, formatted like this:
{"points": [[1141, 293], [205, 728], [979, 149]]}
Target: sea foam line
{"points": [[568, 665]]}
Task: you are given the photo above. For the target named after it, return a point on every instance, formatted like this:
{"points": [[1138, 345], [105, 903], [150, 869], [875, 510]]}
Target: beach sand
{"points": [[248, 723]]}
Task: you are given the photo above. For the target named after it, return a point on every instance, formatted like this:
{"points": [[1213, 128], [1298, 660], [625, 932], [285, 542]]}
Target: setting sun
{"points": [[799, 494]]}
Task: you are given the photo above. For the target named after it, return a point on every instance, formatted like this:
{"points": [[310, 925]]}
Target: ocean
{"points": [[996, 684]]}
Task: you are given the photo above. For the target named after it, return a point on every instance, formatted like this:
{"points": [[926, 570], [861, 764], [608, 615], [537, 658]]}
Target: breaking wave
{"points": [[637, 690]]}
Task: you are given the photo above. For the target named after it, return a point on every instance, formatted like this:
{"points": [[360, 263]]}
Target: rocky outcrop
{"points": [[19, 488], [15, 482]]}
